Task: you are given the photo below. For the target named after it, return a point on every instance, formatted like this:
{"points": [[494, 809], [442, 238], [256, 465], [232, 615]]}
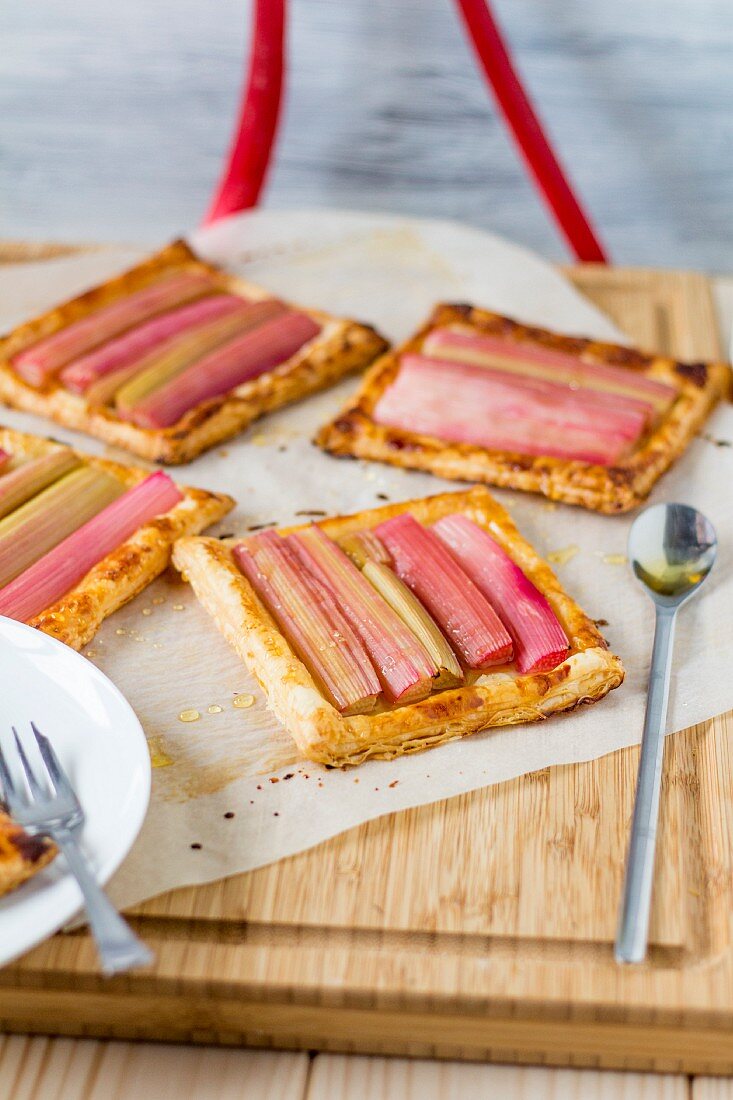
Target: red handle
{"points": [[520, 115], [249, 156]]}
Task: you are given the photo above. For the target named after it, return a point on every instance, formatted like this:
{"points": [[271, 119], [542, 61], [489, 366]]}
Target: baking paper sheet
{"points": [[165, 654]]}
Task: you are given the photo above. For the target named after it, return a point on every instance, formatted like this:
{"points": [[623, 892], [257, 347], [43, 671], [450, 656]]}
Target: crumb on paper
{"points": [[564, 554], [716, 442], [394, 783]]}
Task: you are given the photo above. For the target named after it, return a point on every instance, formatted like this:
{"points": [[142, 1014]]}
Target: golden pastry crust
{"points": [[341, 348], [494, 698], [76, 618], [21, 855], [609, 489]]}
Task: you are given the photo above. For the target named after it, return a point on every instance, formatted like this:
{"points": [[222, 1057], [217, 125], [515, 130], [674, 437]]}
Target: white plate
{"points": [[101, 745]]}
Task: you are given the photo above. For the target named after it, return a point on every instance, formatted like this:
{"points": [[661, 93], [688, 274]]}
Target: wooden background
{"points": [[115, 117]]}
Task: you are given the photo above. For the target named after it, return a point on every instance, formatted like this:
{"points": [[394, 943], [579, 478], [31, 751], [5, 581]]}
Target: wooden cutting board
{"points": [[481, 927]]}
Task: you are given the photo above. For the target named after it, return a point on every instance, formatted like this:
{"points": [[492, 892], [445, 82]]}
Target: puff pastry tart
{"points": [[80, 536], [399, 628], [479, 397], [21, 856], [174, 356]]}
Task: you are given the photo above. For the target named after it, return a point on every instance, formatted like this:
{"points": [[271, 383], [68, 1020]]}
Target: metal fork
{"points": [[50, 808]]}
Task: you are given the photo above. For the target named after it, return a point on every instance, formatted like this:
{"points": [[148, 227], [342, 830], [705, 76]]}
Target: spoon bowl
{"points": [[672, 548]]}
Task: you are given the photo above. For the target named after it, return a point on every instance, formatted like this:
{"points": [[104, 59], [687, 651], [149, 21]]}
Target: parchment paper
{"points": [[165, 654]]}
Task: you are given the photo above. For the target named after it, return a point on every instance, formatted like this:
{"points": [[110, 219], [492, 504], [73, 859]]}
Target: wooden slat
{"points": [[476, 928], [339, 1077], [70, 1069]]}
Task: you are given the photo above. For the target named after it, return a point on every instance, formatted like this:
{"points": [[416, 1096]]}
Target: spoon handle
{"points": [[633, 932]]}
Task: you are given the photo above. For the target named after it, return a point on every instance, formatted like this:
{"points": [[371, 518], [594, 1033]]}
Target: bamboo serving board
{"points": [[477, 928]]}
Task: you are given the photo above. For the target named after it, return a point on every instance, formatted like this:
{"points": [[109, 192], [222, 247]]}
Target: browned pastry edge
{"points": [[496, 698], [21, 855], [132, 566], [341, 348], [610, 489]]}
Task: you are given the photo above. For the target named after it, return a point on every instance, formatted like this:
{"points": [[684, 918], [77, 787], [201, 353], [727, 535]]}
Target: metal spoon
{"points": [[672, 549]]}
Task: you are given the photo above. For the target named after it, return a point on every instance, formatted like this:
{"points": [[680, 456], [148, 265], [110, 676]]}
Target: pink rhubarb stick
{"points": [[41, 360], [531, 359], [540, 642], [430, 398], [231, 365], [311, 621], [153, 335], [52, 576], [405, 669], [462, 612], [527, 399]]}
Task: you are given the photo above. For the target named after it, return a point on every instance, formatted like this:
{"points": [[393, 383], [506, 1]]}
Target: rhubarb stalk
{"points": [[539, 640], [405, 669], [42, 522], [462, 612], [40, 362], [237, 362], [189, 348], [25, 481], [534, 361], [311, 621], [364, 546], [466, 405], [129, 349], [418, 622], [58, 571]]}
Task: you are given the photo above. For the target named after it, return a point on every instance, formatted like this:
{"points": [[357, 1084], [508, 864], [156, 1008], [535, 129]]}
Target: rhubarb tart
{"points": [[479, 397], [21, 855], [80, 536], [402, 627], [174, 356]]}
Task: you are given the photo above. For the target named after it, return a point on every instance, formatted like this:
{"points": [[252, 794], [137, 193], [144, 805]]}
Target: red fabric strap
{"points": [[519, 113], [249, 156]]}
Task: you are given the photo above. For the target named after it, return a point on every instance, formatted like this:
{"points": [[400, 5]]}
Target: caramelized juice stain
{"points": [[159, 758], [563, 555]]}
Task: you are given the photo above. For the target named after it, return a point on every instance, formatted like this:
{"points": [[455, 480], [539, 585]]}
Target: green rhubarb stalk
{"points": [[162, 367], [30, 531], [25, 481], [418, 622]]}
